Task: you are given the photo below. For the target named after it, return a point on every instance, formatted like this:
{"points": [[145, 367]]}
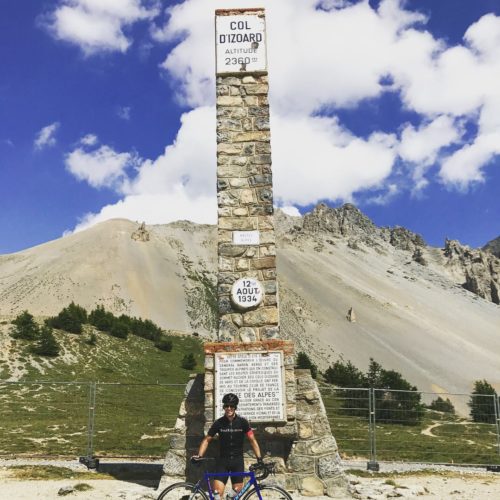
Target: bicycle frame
{"points": [[246, 487]]}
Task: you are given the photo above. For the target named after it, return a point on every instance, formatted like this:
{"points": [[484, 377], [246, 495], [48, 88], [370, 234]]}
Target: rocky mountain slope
{"points": [[429, 313], [493, 247]]}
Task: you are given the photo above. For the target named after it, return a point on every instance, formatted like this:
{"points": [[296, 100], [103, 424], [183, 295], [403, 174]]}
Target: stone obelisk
{"points": [[247, 288]]}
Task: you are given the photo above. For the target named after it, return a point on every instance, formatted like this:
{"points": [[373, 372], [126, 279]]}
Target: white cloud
{"points": [[97, 25], [124, 112], [179, 184], [340, 54], [321, 60], [190, 161], [46, 136], [421, 146], [337, 58], [290, 210], [316, 159], [102, 167], [304, 150], [89, 140], [386, 197], [465, 166], [157, 209]]}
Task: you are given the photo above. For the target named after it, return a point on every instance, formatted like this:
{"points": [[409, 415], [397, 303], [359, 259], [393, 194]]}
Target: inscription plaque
{"points": [[246, 237], [257, 378], [240, 43]]}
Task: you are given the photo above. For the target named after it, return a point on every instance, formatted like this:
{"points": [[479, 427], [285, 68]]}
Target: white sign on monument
{"points": [[257, 378], [247, 293], [240, 43], [246, 237]]}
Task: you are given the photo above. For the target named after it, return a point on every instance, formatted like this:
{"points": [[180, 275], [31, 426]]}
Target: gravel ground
{"points": [[418, 480]]}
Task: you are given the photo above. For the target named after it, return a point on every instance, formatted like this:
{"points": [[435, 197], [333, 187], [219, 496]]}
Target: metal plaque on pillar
{"points": [[257, 378], [240, 42]]}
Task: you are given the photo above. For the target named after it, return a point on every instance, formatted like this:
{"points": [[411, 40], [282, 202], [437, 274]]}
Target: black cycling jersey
{"points": [[231, 435]]}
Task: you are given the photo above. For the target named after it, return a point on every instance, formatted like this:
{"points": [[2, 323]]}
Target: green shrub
{"points": [[92, 340], [25, 327], [482, 402], [119, 329], [443, 405], [146, 329], [303, 361], [100, 318], [188, 361], [164, 344], [47, 344]]}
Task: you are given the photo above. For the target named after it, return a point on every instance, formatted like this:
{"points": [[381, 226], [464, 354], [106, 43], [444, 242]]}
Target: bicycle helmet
{"points": [[230, 399]]}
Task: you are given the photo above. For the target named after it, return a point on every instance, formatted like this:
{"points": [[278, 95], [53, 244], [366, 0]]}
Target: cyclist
{"points": [[231, 429]]}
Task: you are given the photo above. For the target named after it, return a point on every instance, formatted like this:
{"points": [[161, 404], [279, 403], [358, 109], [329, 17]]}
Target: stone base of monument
{"points": [[302, 445]]}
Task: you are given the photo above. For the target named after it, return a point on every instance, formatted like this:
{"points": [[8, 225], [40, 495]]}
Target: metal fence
{"points": [[49, 419], [391, 425]]}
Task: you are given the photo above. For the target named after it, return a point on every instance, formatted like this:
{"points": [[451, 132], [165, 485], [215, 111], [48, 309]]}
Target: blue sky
{"points": [[107, 110]]}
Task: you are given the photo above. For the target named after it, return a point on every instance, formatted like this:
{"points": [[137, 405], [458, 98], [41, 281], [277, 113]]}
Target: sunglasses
{"points": [[229, 406]]}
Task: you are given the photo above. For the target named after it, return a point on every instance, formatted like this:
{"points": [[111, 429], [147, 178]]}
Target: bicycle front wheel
{"points": [[182, 491], [268, 493]]}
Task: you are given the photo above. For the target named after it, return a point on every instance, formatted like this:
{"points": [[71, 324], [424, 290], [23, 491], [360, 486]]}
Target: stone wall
{"points": [[314, 465], [245, 203]]}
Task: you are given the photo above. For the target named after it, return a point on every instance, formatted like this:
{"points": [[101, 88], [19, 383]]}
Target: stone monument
{"points": [[250, 359]]}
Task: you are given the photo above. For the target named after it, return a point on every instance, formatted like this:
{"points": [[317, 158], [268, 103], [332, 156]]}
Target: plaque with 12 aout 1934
{"points": [[247, 293]]}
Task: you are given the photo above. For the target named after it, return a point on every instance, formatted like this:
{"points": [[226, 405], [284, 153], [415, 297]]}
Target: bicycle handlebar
{"points": [[261, 470], [198, 460], [265, 470]]}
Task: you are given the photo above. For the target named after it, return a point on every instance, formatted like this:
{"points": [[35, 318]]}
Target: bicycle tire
{"points": [[268, 492], [182, 491]]}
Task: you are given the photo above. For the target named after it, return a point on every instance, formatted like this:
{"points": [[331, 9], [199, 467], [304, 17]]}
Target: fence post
{"points": [[496, 405], [89, 460], [372, 465]]}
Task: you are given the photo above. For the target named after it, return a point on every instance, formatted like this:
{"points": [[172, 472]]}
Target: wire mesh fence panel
{"points": [[43, 419], [348, 414], [135, 420], [440, 428]]}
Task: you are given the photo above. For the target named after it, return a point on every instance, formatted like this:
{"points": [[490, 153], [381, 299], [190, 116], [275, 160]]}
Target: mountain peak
{"points": [[346, 220], [493, 247]]}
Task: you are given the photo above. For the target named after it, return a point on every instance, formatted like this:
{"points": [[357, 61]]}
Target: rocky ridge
{"points": [[481, 269], [478, 270], [493, 247]]}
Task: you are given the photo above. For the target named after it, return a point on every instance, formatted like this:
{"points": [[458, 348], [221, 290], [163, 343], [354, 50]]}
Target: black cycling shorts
{"points": [[230, 465]]}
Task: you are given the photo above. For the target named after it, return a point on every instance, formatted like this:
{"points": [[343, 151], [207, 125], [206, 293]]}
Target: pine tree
{"points": [[101, 319], [482, 402], [47, 344], [25, 327], [303, 361], [70, 319], [188, 361], [119, 329]]}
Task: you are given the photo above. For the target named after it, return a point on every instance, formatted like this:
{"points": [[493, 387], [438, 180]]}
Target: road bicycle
{"points": [[252, 490]]}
